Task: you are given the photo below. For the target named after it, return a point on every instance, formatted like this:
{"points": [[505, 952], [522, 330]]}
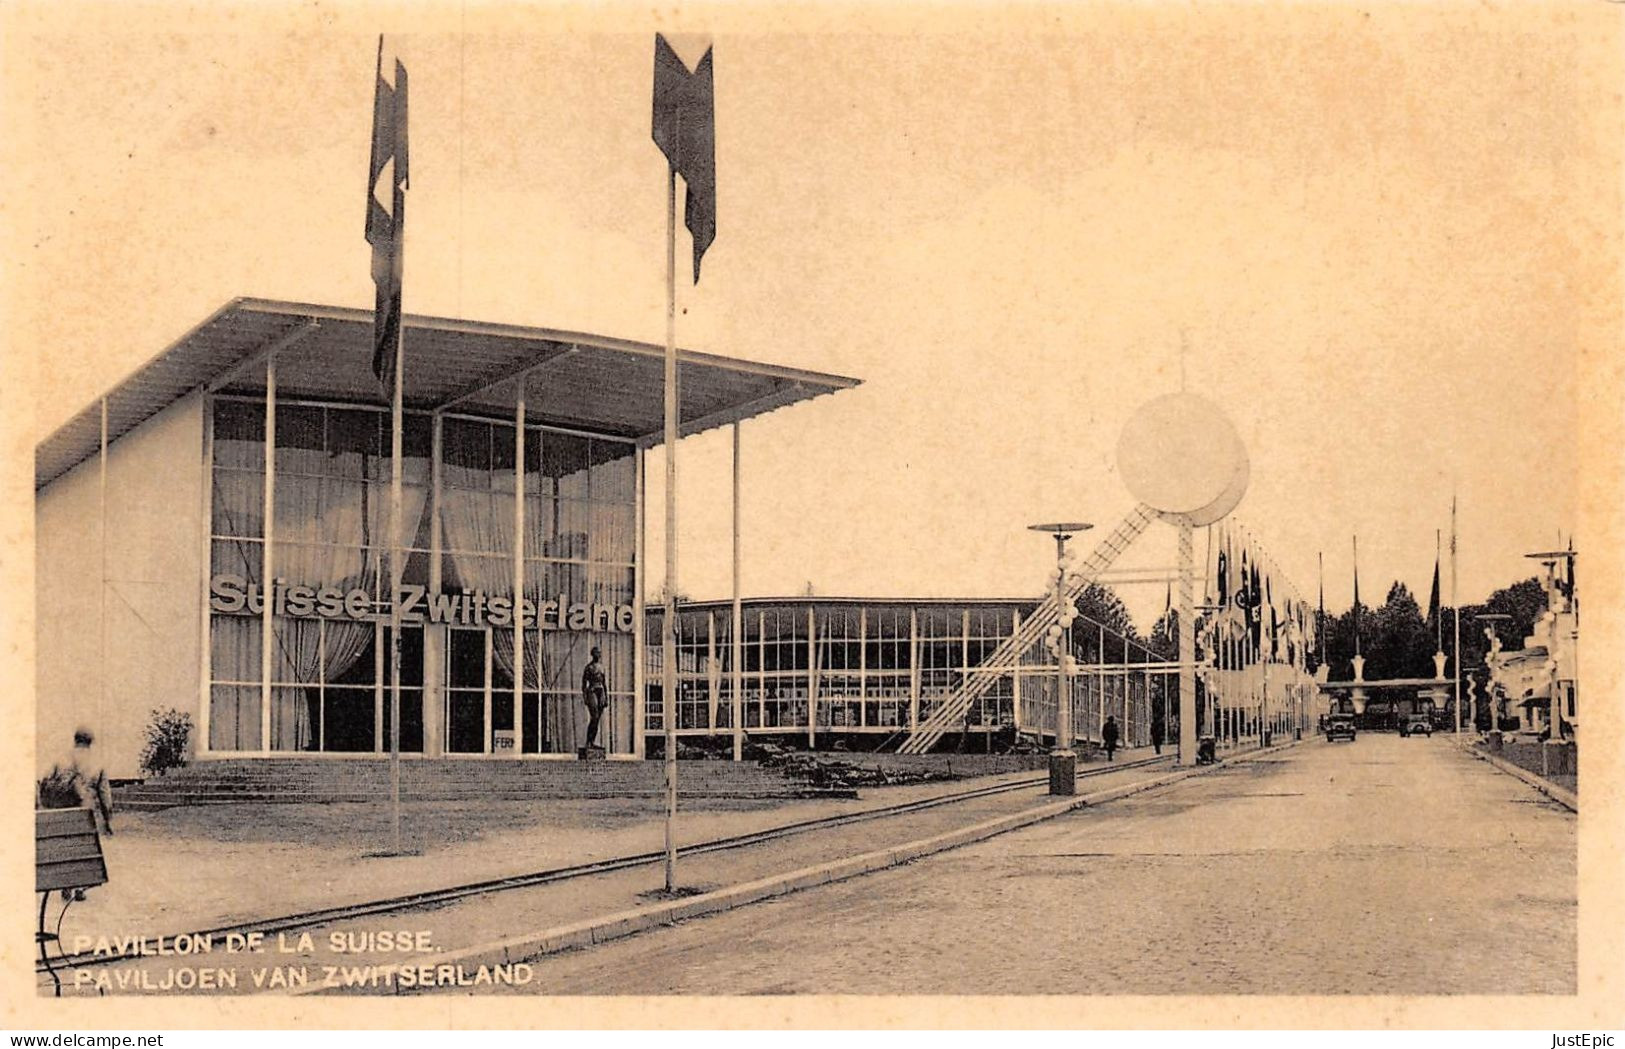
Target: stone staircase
{"points": [[320, 780]]}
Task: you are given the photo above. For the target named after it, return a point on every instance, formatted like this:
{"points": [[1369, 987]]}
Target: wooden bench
{"points": [[67, 858]]}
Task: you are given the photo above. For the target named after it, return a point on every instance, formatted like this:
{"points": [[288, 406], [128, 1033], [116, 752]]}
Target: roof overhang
{"points": [[595, 383]]}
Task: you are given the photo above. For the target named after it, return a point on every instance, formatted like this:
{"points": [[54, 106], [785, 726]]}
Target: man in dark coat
{"points": [[1157, 735], [1108, 736]]}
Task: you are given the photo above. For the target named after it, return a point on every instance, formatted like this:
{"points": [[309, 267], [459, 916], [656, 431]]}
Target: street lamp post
{"points": [[1063, 763]]}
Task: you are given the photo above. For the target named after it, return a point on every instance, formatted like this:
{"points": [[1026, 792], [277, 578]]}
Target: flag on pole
{"points": [[1433, 595], [1320, 619], [1255, 611], [386, 215], [1565, 585], [685, 130], [1356, 595], [1275, 626]]}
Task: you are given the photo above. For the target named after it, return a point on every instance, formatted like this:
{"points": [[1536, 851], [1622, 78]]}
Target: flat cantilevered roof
{"points": [[572, 379]]}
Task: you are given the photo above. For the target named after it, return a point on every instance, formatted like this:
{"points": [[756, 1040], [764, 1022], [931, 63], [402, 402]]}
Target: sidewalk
{"points": [[191, 869], [463, 924]]}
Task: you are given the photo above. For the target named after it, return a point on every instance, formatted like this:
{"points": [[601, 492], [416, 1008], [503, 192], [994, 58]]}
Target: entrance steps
{"points": [[319, 780]]}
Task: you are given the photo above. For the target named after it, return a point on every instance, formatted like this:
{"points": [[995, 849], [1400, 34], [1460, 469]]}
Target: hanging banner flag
{"points": [[1255, 610], [685, 130], [386, 215], [1433, 595], [1275, 626]]}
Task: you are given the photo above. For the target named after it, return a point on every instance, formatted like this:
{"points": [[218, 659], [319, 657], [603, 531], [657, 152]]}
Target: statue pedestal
{"points": [[591, 753]]}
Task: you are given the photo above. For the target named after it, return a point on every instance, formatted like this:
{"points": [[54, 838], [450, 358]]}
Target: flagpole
{"points": [[668, 619], [389, 150], [1455, 607], [1356, 595], [395, 422], [1320, 622]]}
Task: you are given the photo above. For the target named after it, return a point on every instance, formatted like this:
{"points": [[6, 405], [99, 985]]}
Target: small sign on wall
{"points": [[502, 741]]}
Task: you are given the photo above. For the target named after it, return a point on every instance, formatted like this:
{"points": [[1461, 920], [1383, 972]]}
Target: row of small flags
{"points": [[1244, 588], [683, 127], [1293, 625]]}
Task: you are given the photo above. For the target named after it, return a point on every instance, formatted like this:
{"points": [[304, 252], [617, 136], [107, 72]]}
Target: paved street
{"points": [[1382, 866]]}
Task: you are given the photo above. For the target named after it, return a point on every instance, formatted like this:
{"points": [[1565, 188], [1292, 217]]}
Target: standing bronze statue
{"points": [[594, 693]]}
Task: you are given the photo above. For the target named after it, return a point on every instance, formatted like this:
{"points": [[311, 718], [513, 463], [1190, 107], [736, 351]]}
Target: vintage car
{"points": [[1416, 722], [1414, 717], [1339, 725]]}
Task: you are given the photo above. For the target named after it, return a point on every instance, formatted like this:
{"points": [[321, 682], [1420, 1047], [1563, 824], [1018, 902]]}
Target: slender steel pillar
{"points": [[1187, 644]]}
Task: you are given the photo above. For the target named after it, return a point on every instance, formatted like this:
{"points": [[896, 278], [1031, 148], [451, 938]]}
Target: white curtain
{"points": [[234, 656], [502, 645], [333, 531], [479, 535], [303, 661]]}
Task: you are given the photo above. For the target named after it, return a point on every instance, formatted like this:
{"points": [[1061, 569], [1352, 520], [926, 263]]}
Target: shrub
{"points": [[168, 734], [59, 789]]}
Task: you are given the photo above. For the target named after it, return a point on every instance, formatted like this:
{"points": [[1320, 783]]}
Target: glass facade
{"points": [[880, 668], [323, 548]]}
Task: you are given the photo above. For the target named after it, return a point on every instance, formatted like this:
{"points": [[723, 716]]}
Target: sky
{"points": [[1383, 239]]}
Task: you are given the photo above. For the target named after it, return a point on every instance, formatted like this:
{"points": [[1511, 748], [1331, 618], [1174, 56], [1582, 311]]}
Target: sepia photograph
{"points": [[1075, 514]]}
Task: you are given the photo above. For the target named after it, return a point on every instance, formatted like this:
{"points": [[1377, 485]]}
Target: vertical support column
{"points": [[738, 621], [713, 673], [964, 671], [812, 678], [640, 633], [519, 570], [485, 747], [913, 668], [1187, 644], [206, 534], [863, 666], [434, 634], [761, 664], [1015, 674], [101, 590], [1128, 686], [267, 555], [380, 683], [1105, 693]]}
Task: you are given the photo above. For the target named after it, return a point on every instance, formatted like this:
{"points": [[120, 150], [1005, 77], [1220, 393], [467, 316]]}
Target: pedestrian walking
{"points": [[1156, 736], [1108, 736], [79, 781]]}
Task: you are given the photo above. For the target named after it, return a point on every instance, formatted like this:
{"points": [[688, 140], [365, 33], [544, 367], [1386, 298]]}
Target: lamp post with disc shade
{"points": [[1063, 763]]}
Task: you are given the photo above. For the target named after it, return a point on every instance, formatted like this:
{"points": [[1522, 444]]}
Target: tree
{"points": [[1400, 642], [1164, 639], [1523, 602], [1100, 606]]}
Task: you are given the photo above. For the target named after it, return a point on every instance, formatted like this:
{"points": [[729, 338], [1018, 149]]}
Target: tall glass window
{"points": [[327, 546], [886, 686], [579, 511], [838, 657]]}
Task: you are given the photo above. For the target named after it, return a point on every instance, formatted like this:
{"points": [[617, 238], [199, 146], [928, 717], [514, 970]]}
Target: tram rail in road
{"points": [[308, 919]]}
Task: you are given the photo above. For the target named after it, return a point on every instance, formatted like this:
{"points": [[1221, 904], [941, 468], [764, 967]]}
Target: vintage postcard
{"points": [[909, 515]]}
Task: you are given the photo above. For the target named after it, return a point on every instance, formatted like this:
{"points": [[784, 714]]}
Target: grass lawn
{"points": [[425, 825]]}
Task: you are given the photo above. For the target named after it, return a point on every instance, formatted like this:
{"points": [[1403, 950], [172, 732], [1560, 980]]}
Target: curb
{"points": [[1566, 798], [531, 945]]}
